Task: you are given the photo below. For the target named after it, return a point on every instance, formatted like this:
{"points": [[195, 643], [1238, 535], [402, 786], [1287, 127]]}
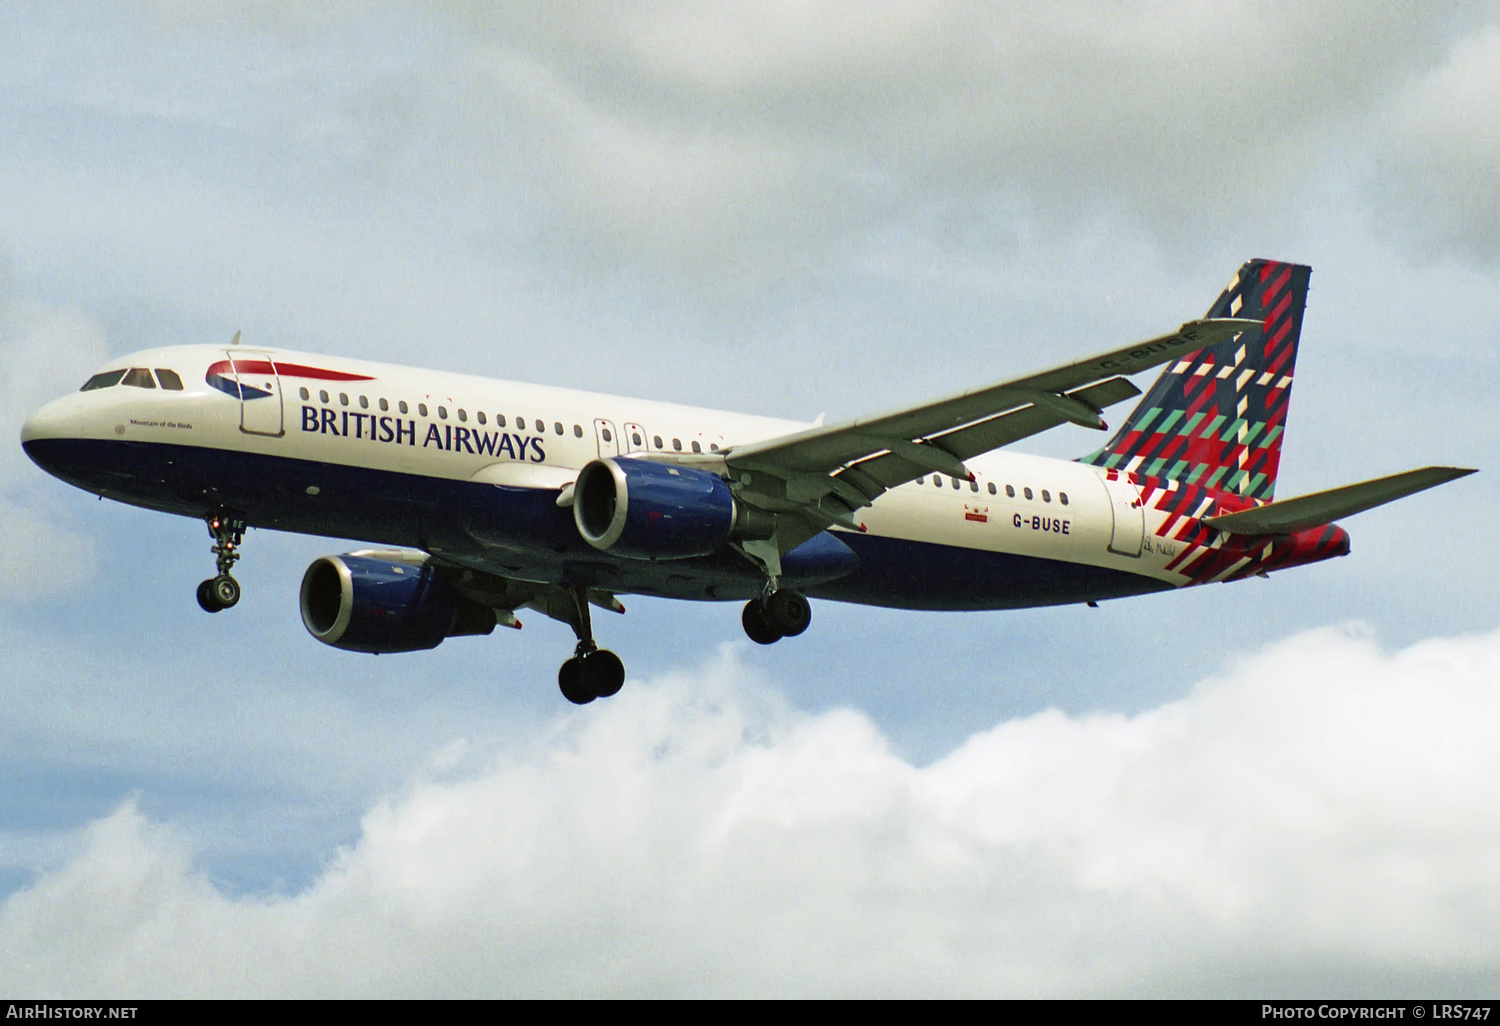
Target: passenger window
{"points": [[384, 406], [677, 444], [480, 415], [520, 423], [104, 380], [542, 428], [922, 480], [606, 435], [657, 440], [713, 446], [635, 438], [955, 484], [499, 420], [169, 379], [140, 377], [577, 430], [322, 395], [697, 447], [364, 404], [937, 481], [1063, 497], [442, 413], [304, 393], [463, 418], [422, 409], [992, 488], [343, 398], [557, 428], [1046, 495], [401, 405], [1026, 492], [1010, 491]]}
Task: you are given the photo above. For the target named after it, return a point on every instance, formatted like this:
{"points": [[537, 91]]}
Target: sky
{"points": [[1276, 787]]}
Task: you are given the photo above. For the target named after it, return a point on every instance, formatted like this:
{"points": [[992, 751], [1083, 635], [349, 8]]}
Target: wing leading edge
{"points": [[826, 473]]}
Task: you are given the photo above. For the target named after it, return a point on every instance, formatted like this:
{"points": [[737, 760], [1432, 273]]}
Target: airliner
{"points": [[482, 498]]}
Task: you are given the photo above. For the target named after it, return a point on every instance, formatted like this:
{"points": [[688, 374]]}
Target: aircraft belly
{"points": [[909, 574]]}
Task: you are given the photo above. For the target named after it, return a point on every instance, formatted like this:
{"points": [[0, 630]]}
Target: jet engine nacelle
{"points": [[366, 604], [645, 510]]}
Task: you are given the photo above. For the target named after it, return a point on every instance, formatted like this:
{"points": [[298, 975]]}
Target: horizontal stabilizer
{"points": [[1291, 515]]}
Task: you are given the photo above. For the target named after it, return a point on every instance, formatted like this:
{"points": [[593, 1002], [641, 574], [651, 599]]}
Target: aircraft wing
{"points": [[828, 472], [1287, 516]]}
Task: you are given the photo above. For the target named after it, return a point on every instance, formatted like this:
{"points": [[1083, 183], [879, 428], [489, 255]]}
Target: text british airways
{"points": [[395, 430]]}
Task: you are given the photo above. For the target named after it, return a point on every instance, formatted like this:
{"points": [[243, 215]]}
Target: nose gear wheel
{"points": [[218, 593]]}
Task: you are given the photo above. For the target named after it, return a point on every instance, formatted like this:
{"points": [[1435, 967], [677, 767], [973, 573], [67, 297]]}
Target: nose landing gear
{"points": [[223, 591], [780, 613]]}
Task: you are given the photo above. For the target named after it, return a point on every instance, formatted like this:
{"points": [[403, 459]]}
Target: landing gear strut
{"points": [[593, 672], [779, 613], [222, 591]]}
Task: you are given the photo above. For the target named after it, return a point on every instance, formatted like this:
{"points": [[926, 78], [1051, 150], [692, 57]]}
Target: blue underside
{"points": [[521, 532]]}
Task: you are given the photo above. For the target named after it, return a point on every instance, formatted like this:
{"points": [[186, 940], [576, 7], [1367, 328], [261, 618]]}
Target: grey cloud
{"points": [[1320, 804], [1439, 145], [710, 141], [725, 147], [829, 120], [41, 350]]}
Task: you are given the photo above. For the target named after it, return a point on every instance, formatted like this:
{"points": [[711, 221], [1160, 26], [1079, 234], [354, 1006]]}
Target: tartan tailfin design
{"points": [[1215, 418]]}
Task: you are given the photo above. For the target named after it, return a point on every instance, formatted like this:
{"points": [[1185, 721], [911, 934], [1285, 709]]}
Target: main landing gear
{"points": [[593, 672], [779, 613], [222, 591]]}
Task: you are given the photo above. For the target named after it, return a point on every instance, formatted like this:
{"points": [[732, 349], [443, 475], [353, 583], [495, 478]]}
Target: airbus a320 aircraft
{"points": [[495, 496]]}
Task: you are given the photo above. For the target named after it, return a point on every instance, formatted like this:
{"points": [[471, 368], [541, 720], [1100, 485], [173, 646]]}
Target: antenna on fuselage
{"points": [[236, 340]]}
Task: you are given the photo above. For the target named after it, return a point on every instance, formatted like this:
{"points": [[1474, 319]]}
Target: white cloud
{"points": [[1320, 818]]}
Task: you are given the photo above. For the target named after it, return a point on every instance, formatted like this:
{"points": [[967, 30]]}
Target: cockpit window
{"points": [[140, 377], [104, 380], [169, 379]]}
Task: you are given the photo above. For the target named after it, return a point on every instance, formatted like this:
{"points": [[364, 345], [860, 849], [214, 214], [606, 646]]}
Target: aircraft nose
{"points": [[48, 432], [46, 423]]}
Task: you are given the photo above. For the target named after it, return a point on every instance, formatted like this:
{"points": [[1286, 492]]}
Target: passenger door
{"points": [[1129, 519], [260, 392]]}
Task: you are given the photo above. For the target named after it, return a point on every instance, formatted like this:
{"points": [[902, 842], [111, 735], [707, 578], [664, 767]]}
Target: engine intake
{"points": [[364, 604], [645, 510]]}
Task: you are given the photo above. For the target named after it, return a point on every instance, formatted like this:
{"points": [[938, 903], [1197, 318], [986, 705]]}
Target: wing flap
{"points": [[1291, 515]]}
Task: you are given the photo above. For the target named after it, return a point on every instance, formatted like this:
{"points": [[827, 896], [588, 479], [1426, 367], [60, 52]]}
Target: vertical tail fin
{"points": [[1215, 417]]}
